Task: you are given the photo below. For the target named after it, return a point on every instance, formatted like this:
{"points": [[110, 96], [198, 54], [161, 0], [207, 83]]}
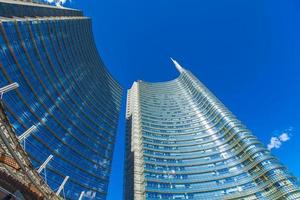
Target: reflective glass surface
{"points": [[183, 143], [66, 92]]}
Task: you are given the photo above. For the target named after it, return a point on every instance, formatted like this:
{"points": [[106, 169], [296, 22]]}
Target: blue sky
{"points": [[246, 52]]}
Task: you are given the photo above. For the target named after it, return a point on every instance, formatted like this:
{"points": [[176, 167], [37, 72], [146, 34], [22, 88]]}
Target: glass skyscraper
{"points": [[64, 91], [183, 143]]}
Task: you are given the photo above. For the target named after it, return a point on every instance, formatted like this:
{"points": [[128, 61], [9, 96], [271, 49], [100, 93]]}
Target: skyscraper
{"points": [[67, 104], [183, 143]]}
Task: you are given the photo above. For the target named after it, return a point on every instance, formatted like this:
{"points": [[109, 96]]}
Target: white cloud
{"points": [[276, 141], [284, 137], [90, 194], [57, 2]]}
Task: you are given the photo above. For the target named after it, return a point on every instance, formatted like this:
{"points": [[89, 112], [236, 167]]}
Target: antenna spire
{"points": [[177, 65]]}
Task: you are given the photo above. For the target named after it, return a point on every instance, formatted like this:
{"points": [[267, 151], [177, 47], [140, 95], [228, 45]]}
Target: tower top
{"points": [[177, 65]]}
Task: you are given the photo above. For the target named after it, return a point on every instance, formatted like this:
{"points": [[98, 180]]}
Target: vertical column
{"points": [[136, 143]]}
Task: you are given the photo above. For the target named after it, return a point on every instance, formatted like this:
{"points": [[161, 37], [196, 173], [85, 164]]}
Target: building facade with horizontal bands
{"points": [[183, 143], [65, 93]]}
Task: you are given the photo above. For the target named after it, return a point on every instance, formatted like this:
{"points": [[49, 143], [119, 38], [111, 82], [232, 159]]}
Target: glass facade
{"points": [[17, 8], [183, 143], [67, 93]]}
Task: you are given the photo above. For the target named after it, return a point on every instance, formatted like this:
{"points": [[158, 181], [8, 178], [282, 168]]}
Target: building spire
{"points": [[177, 65]]}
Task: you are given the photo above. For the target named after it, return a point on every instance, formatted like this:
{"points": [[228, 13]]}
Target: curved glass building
{"points": [[64, 91], [183, 143]]}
